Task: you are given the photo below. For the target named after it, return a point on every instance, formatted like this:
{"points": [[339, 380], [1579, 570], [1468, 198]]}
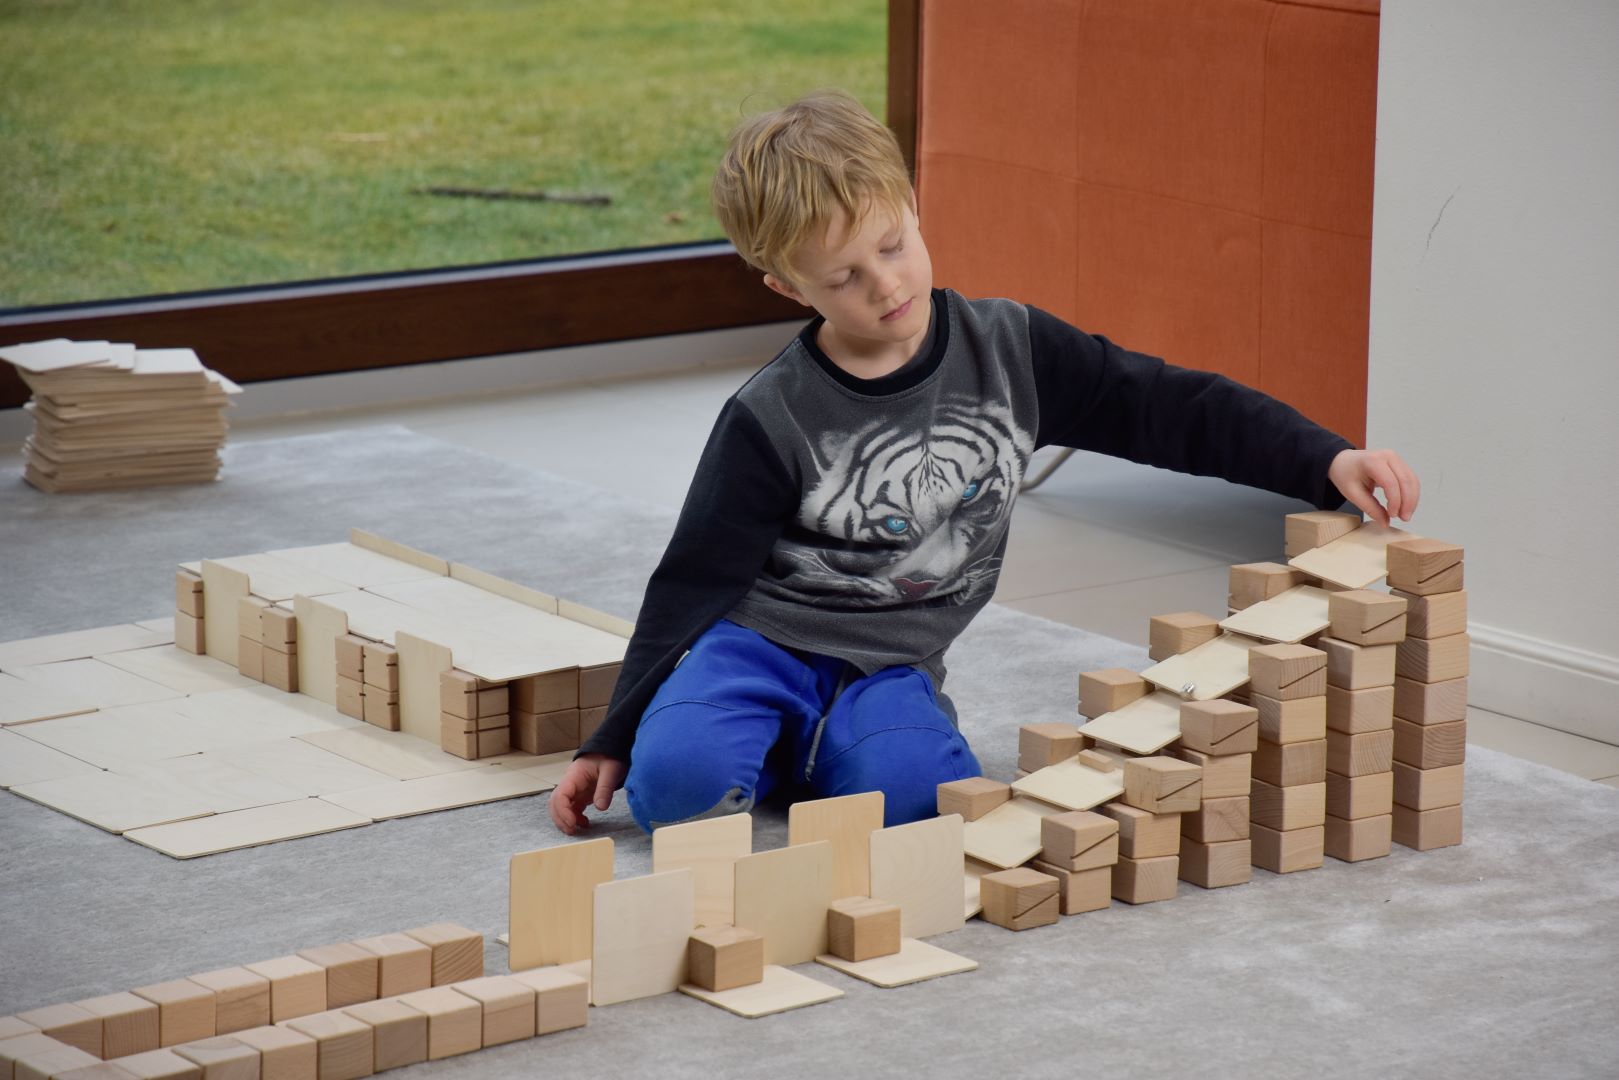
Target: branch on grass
{"points": [[508, 193]]}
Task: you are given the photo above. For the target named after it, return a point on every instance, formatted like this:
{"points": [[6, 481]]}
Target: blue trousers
{"points": [[741, 717]]}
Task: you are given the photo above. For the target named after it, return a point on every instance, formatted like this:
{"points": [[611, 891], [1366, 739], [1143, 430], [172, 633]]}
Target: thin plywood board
{"points": [[102, 683], [77, 645], [258, 712], [488, 582], [972, 877], [24, 761], [300, 765], [114, 802], [1289, 616], [319, 626], [916, 961], [847, 822], [246, 828], [1354, 560], [352, 564], [221, 786], [180, 671], [551, 902], [277, 580], [369, 615], [1008, 835], [163, 626], [1073, 786], [393, 549], [918, 867], [642, 928], [548, 767], [779, 991], [129, 733], [23, 702], [1213, 669], [421, 664], [222, 590], [784, 895], [401, 756], [709, 849], [427, 794], [612, 624], [1145, 726]]}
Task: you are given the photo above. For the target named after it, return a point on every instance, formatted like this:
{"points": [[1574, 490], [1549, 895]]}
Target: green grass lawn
{"points": [[173, 145]]}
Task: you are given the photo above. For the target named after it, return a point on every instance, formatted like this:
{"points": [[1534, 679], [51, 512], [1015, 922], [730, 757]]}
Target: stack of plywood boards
{"points": [[109, 415]]}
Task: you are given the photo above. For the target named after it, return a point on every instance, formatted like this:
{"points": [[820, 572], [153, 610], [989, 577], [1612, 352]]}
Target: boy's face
{"points": [[873, 287]]}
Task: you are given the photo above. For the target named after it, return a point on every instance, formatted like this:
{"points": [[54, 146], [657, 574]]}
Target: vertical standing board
{"points": [[847, 822], [551, 901], [709, 849], [918, 866], [642, 926], [222, 589], [319, 625], [784, 895], [421, 662]]}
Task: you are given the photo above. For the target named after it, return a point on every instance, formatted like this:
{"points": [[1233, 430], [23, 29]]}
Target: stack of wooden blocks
{"points": [[1360, 726], [1430, 693], [545, 712], [267, 643], [367, 680], [188, 613], [475, 718], [1220, 737], [1288, 793]]}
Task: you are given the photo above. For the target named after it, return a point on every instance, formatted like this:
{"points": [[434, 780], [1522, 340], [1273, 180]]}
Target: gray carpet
{"points": [[1498, 958]]}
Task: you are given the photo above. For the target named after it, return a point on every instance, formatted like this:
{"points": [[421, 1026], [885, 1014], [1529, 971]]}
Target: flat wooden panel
{"points": [[784, 894], [77, 644], [919, 866], [551, 902], [847, 822], [642, 926], [709, 849], [916, 961], [781, 990], [246, 828]]}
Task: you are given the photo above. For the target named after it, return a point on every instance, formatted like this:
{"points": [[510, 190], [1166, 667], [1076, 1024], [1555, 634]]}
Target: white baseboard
{"points": [[1547, 683]]}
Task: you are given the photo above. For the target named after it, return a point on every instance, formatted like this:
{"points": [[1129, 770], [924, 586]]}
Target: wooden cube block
{"points": [[1432, 660], [188, 593], [185, 1010], [350, 650], [1355, 797], [1145, 881], [596, 685], [351, 697], [1366, 617], [11, 1027], [1421, 567], [562, 998], [1287, 851], [1430, 703], [725, 957], [1357, 840], [551, 691], [297, 987], [222, 1058], [1429, 746], [1218, 864], [1427, 789], [1291, 764], [1224, 776], [1171, 635], [250, 616], [1219, 727], [1142, 834], [398, 1032], [241, 998], [1019, 899], [545, 733], [278, 629], [1110, 689], [381, 665], [129, 1024], [1162, 785], [860, 928], [1355, 711], [1216, 821], [492, 743], [1362, 754], [284, 1054], [1287, 809], [1079, 840], [457, 693], [345, 1048], [973, 797], [26, 1042], [281, 671], [1040, 745], [1358, 667], [250, 658], [1093, 758], [188, 634], [158, 1065], [453, 740], [350, 972], [508, 1007], [457, 951], [1436, 615], [1251, 583], [454, 1021], [1425, 830], [1316, 528], [1299, 720], [589, 721], [1286, 672], [381, 707], [493, 701], [1079, 891], [403, 963], [65, 1061]]}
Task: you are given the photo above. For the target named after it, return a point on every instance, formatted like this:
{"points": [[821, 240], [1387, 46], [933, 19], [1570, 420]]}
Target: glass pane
{"points": [[174, 146]]}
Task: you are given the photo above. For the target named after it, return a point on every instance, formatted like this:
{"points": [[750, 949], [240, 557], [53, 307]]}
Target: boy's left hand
{"points": [[1358, 473]]}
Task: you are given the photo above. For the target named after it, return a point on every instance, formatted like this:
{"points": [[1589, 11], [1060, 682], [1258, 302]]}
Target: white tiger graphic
{"points": [[921, 514]]}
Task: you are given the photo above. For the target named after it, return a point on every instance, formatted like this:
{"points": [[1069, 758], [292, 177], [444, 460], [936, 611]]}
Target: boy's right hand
{"points": [[592, 778]]}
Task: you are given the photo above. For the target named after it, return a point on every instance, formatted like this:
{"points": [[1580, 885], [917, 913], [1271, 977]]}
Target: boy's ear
{"points": [[777, 285]]}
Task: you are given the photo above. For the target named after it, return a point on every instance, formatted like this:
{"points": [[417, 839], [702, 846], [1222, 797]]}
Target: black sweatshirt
{"points": [[866, 519]]}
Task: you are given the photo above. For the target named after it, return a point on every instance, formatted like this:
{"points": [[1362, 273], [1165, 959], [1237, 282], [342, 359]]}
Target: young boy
{"points": [[849, 514]]}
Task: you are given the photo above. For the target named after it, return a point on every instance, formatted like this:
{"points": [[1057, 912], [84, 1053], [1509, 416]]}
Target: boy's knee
{"points": [[907, 764], [677, 774]]}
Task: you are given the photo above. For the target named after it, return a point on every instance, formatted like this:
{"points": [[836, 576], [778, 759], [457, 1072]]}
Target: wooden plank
{"points": [[319, 626], [401, 756], [222, 590], [1145, 726], [1009, 835], [915, 962], [1213, 669], [1290, 616], [426, 794], [102, 683], [551, 902], [1354, 560], [395, 550], [23, 702], [421, 662], [246, 828], [223, 787], [256, 713], [299, 765], [780, 991], [276, 580], [709, 849], [918, 867], [611, 624], [784, 895], [847, 822], [114, 802], [24, 761], [180, 671], [79, 644], [642, 929], [488, 582], [129, 733], [352, 564]]}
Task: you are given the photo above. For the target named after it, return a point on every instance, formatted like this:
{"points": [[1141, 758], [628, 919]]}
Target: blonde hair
{"points": [[786, 172]]}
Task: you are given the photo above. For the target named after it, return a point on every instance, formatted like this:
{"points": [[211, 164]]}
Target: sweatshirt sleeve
{"points": [[1094, 395], [740, 500]]}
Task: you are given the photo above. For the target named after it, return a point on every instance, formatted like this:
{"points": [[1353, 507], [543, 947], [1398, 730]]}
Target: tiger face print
{"points": [[931, 505]]}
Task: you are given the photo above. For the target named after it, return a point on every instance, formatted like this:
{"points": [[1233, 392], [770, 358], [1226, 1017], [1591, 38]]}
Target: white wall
{"points": [[1495, 329]]}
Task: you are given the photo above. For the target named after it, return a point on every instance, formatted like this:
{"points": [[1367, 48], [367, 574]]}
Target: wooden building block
{"points": [[860, 928], [345, 1047], [725, 957], [1040, 745], [1253, 583], [1171, 635], [159, 1065], [1286, 851], [241, 998], [398, 1032], [1355, 711], [1096, 760], [1162, 785], [1219, 727], [129, 1024], [1285, 672], [1079, 891], [284, 1054], [1145, 881], [457, 693], [1291, 764], [185, 1010], [508, 1007], [381, 665], [545, 733], [1358, 667], [403, 963], [350, 651], [1287, 809], [250, 658], [350, 972], [551, 691], [1079, 840], [1224, 776], [297, 987], [1216, 821], [457, 951], [28, 1043], [454, 1021], [1019, 899], [1432, 660], [250, 617], [278, 629], [222, 1058], [1355, 797], [1366, 617], [58, 1062], [1422, 567], [1429, 746], [1357, 840], [589, 721], [1316, 528], [281, 671], [1217, 864], [562, 998], [381, 708], [493, 743], [1362, 754], [1430, 703], [463, 745], [351, 697], [1143, 834], [1299, 720], [1427, 789], [493, 701], [1436, 615], [1110, 689], [1425, 830], [188, 633], [596, 685], [973, 797], [10, 1027], [188, 593], [100, 1070]]}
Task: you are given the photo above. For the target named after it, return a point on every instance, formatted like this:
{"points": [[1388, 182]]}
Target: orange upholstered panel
{"points": [[1192, 178]]}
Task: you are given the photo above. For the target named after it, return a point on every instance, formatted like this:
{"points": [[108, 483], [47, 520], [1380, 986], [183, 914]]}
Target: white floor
{"points": [[1103, 544]]}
